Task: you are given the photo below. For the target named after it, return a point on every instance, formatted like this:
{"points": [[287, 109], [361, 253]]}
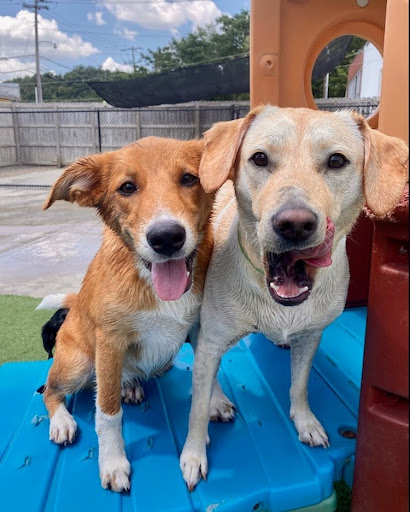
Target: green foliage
{"points": [[228, 36], [73, 85], [338, 77]]}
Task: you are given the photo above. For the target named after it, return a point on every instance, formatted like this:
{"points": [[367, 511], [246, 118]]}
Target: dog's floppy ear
{"points": [[385, 169], [222, 143], [81, 183]]}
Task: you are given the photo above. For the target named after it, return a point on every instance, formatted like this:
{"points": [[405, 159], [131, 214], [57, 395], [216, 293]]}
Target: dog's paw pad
{"points": [[116, 477], [221, 409], [63, 427], [132, 394], [193, 467]]}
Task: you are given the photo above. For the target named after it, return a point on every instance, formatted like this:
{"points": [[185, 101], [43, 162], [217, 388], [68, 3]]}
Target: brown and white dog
{"points": [[140, 297], [300, 180]]}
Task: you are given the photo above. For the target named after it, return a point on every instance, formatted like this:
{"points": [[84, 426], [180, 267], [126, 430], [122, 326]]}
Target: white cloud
{"points": [[17, 58], [126, 33], [160, 14], [97, 17], [110, 65], [14, 68]]}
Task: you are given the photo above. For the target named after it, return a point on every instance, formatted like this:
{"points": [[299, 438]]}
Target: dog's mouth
{"points": [[290, 275], [171, 278]]}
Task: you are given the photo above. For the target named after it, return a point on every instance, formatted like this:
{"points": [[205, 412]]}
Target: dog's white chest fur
{"points": [[160, 334]]}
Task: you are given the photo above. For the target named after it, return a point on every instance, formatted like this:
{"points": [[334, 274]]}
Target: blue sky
{"points": [[97, 32]]}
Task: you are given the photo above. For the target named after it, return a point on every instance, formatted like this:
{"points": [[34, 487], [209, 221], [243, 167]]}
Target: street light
{"points": [[50, 42]]}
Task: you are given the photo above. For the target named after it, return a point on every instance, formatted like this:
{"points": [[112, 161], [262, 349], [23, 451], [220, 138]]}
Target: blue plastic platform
{"points": [[256, 463]]}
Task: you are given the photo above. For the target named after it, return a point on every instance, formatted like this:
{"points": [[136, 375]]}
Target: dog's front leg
{"points": [[112, 461], [303, 349], [221, 408], [193, 461]]}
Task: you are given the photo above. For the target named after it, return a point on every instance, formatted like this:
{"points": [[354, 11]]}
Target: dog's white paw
{"points": [[194, 465], [310, 430], [63, 427], [221, 408], [132, 393], [115, 474]]}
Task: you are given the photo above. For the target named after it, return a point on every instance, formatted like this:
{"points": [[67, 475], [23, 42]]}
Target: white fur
{"points": [[161, 332], [63, 427], [54, 301], [114, 467]]}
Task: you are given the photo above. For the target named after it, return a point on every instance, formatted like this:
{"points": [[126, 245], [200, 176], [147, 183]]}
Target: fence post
{"points": [[58, 142], [197, 128], [99, 130], [14, 116], [137, 124]]}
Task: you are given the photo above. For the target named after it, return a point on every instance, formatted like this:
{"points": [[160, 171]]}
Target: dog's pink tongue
{"points": [[170, 279], [320, 256]]}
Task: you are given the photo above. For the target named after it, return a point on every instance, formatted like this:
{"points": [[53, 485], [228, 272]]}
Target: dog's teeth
{"points": [[285, 296], [188, 273]]}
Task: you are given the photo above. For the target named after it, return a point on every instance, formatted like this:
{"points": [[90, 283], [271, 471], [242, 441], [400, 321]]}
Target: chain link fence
{"points": [[35, 143]]}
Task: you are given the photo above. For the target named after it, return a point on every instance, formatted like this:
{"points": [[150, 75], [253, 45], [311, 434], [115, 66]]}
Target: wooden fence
{"points": [[57, 134]]}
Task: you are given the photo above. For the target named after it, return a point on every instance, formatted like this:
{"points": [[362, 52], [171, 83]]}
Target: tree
{"points": [[228, 36]]}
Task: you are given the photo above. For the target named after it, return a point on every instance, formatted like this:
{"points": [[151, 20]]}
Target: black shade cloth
{"points": [[201, 82], [330, 57], [178, 86]]}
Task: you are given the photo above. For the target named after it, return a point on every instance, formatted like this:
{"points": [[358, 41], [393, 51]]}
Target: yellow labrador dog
{"points": [[279, 265]]}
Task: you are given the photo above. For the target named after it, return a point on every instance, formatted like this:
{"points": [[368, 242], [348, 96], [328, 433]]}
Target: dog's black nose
{"points": [[295, 224], [166, 238]]}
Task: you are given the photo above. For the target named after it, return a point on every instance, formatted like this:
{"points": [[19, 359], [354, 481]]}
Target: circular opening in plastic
{"points": [[347, 74]]}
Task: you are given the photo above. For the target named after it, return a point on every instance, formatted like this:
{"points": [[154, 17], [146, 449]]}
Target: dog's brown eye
{"points": [[189, 180], [127, 188], [260, 159], [336, 161]]}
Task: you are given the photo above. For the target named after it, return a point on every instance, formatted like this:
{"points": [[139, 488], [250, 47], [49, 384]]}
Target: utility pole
{"points": [[37, 6], [132, 50]]}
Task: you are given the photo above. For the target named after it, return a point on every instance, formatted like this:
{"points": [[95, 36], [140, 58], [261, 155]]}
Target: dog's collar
{"points": [[246, 256]]}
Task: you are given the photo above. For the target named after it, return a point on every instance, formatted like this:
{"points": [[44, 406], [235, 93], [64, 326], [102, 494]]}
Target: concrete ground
{"points": [[42, 252]]}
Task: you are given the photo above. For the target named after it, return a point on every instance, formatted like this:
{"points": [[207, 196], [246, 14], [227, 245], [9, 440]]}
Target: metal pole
{"points": [[99, 131], [38, 75], [326, 86]]}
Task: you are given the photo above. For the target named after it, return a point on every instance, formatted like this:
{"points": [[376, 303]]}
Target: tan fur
{"points": [[222, 143], [385, 169], [101, 327]]}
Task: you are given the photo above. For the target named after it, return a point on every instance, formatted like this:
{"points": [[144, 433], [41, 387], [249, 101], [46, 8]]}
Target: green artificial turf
{"points": [[20, 329], [344, 496]]}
